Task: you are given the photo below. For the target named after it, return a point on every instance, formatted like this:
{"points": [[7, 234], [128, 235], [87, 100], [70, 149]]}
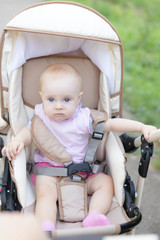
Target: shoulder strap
{"points": [[47, 143], [97, 136]]}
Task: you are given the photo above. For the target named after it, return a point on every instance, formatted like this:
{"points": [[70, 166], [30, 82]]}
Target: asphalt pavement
{"points": [[151, 198]]}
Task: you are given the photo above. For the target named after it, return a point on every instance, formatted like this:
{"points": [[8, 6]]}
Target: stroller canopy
{"points": [[63, 19]]}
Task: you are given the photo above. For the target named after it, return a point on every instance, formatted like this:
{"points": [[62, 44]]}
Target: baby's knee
{"points": [[107, 179], [110, 182], [107, 182], [103, 180]]}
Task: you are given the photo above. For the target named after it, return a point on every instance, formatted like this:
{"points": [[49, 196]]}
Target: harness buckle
{"points": [[97, 135], [29, 167], [79, 167]]}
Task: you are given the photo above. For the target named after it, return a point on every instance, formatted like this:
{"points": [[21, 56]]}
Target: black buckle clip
{"points": [[29, 167], [79, 167], [97, 135]]}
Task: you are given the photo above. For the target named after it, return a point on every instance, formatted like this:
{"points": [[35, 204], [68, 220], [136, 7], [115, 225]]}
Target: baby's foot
{"points": [[48, 226], [95, 219]]}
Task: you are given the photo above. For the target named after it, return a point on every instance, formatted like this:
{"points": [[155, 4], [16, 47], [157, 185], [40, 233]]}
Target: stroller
{"points": [[55, 32]]}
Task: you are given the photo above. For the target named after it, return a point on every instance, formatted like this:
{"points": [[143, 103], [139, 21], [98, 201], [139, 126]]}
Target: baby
{"points": [[61, 112]]}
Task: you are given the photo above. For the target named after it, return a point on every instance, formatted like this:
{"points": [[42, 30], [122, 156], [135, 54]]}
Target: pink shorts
{"points": [[45, 164]]}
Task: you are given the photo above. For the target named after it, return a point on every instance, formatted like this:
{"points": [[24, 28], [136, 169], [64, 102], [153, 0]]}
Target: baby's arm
{"points": [[23, 138], [126, 125]]}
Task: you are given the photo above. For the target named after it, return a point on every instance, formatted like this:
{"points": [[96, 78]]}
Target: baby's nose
{"points": [[58, 105]]}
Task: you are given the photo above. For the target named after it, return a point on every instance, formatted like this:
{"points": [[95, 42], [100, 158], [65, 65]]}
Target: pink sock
{"points": [[48, 226], [95, 219]]}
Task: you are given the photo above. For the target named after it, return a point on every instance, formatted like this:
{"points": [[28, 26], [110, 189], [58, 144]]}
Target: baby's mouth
{"points": [[58, 114]]}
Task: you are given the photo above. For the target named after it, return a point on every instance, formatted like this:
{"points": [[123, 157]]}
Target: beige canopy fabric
{"points": [[64, 18]]}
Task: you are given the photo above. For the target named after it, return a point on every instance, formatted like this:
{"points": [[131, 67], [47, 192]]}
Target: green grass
{"points": [[138, 24]]}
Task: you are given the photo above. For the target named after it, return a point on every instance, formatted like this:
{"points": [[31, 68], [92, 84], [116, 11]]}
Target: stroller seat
{"points": [[30, 72]]}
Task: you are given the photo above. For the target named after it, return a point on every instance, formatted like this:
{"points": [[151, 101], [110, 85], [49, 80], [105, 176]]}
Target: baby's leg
{"points": [[46, 208], [101, 188]]}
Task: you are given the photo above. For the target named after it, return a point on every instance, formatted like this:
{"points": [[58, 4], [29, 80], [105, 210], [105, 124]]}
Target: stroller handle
{"points": [[154, 136]]}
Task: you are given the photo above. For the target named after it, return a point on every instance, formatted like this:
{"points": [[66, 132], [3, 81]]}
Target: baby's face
{"points": [[60, 96]]}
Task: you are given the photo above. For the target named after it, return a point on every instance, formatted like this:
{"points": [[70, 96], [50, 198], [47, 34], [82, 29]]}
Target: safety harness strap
{"points": [[87, 166], [48, 171], [94, 142], [70, 170], [58, 153]]}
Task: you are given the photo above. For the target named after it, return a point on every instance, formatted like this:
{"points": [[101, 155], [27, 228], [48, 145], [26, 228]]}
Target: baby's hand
{"points": [[12, 149], [146, 130]]}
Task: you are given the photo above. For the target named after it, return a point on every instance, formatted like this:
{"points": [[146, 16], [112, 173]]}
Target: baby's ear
{"points": [[40, 93], [80, 96]]}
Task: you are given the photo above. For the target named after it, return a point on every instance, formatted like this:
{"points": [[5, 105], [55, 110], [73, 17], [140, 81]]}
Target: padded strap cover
{"points": [[98, 116], [47, 143], [72, 198]]}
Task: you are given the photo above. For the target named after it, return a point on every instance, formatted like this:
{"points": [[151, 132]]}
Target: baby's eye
{"points": [[66, 99], [51, 99]]}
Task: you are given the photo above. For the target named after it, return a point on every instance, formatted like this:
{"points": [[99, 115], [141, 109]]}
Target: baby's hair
{"points": [[59, 69]]}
